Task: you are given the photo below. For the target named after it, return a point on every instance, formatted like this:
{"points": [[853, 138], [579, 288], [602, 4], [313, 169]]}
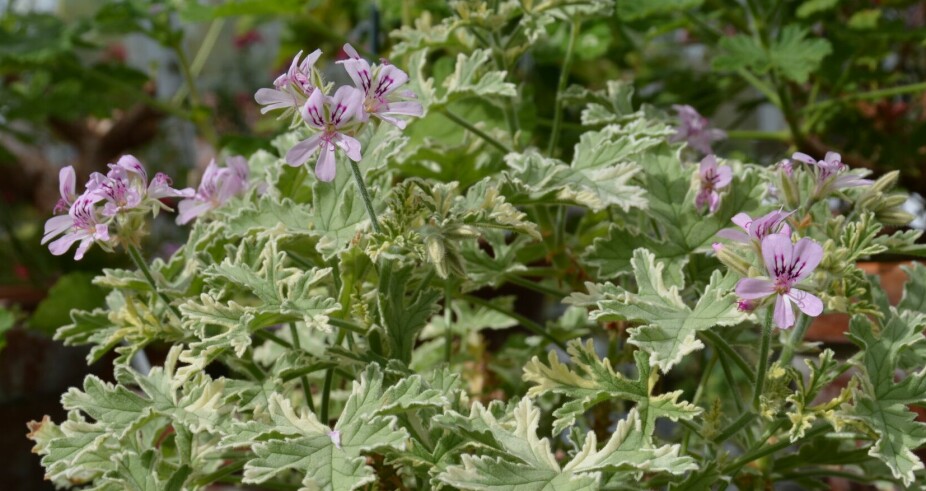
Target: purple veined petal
{"points": [[67, 184], [56, 226], [809, 303], [777, 252], [160, 188], [833, 159], [806, 256], [349, 144], [724, 177], [189, 209], [302, 151], [325, 168], [82, 248], [208, 181], [849, 181], [708, 164], [273, 99], [406, 108], [714, 201], [803, 157], [132, 164], [238, 165], [310, 60], [398, 123], [359, 72], [294, 65], [61, 246], [346, 104], [784, 314], [754, 288], [742, 219], [388, 80], [110, 209], [734, 235], [703, 199], [313, 111]]}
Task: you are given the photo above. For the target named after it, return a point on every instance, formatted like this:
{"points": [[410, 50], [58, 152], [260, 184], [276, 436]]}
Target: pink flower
{"points": [[831, 173], [217, 186], [693, 128], [125, 187], [712, 179], [291, 88], [329, 115], [82, 223], [379, 84], [67, 185], [756, 230], [787, 265]]}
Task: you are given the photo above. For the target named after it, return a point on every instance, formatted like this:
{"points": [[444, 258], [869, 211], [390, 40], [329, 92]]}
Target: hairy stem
{"points": [[561, 86], [142, 265], [303, 379], [329, 381], [476, 131], [367, 202], [764, 346], [787, 352]]}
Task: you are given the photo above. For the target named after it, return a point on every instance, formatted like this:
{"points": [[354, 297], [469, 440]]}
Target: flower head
{"points": [[217, 186], [380, 87], [329, 115], [694, 129], [82, 224], [754, 231], [125, 187], [712, 178], [787, 264], [291, 88], [831, 173]]}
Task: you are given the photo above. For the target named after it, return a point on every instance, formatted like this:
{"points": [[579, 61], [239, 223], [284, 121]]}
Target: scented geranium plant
{"points": [[361, 307]]}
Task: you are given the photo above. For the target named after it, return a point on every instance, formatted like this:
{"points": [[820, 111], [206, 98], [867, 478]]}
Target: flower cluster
{"points": [[695, 130], [713, 178], [337, 119], [108, 199], [831, 173], [218, 185]]}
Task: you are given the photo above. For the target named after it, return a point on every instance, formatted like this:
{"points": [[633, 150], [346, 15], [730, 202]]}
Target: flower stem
{"points": [[448, 318], [329, 381], [561, 86], [358, 176], [524, 321], [140, 263], [787, 352], [764, 347], [476, 131], [303, 379]]}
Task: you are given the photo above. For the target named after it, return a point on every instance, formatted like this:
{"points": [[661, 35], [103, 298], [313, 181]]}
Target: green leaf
{"points": [[526, 461], [404, 316], [811, 7], [72, 291], [327, 458], [592, 380], [631, 10], [339, 210], [266, 214], [792, 54], [670, 326], [200, 12], [470, 79], [7, 321]]}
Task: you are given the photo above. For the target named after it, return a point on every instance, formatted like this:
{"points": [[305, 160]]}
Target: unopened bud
{"points": [[893, 201], [731, 259], [886, 182], [747, 306], [789, 190], [895, 217]]}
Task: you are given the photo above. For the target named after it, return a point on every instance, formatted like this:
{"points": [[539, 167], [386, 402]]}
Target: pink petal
{"points": [[273, 99], [742, 219], [753, 288], [734, 235], [309, 60], [833, 159], [784, 314], [807, 255], [325, 166], [62, 245], [359, 72], [407, 108], [189, 209], [301, 151], [67, 184], [85, 244], [809, 303], [131, 164], [313, 111], [346, 104], [351, 52], [56, 226], [389, 78], [707, 164], [803, 157], [724, 177], [776, 250], [349, 144]]}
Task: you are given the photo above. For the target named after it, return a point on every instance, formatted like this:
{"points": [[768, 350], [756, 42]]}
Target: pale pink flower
{"points": [[291, 88], [218, 185], [787, 264], [831, 173], [125, 187], [67, 185], [329, 115], [82, 224], [695, 129], [756, 230], [380, 84], [712, 178]]}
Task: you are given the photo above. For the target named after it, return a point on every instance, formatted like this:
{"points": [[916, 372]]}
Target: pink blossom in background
{"points": [[758, 229], [831, 173], [695, 130], [713, 177], [218, 185], [329, 115], [380, 84], [787, 264], [292, 88]]}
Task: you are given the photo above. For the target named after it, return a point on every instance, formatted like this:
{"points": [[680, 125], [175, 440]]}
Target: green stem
{"points": [[731, 383], [561, 86], [872, 94], [329, 380], [303, 379], [756, 454], [536, 286], [448, 319], [476, 131], [367, 202], [269, 336], [787, 352], [205, 128], [735, 427], [758, 135], [348, 325], [764, 347], [142, 265], [205, 49], [524, 321], [721, 344], [705, 376]]}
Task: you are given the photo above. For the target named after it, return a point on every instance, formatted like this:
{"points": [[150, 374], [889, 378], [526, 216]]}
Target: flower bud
{"points": [[895, 217], [886, 182], [731, 259]]}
